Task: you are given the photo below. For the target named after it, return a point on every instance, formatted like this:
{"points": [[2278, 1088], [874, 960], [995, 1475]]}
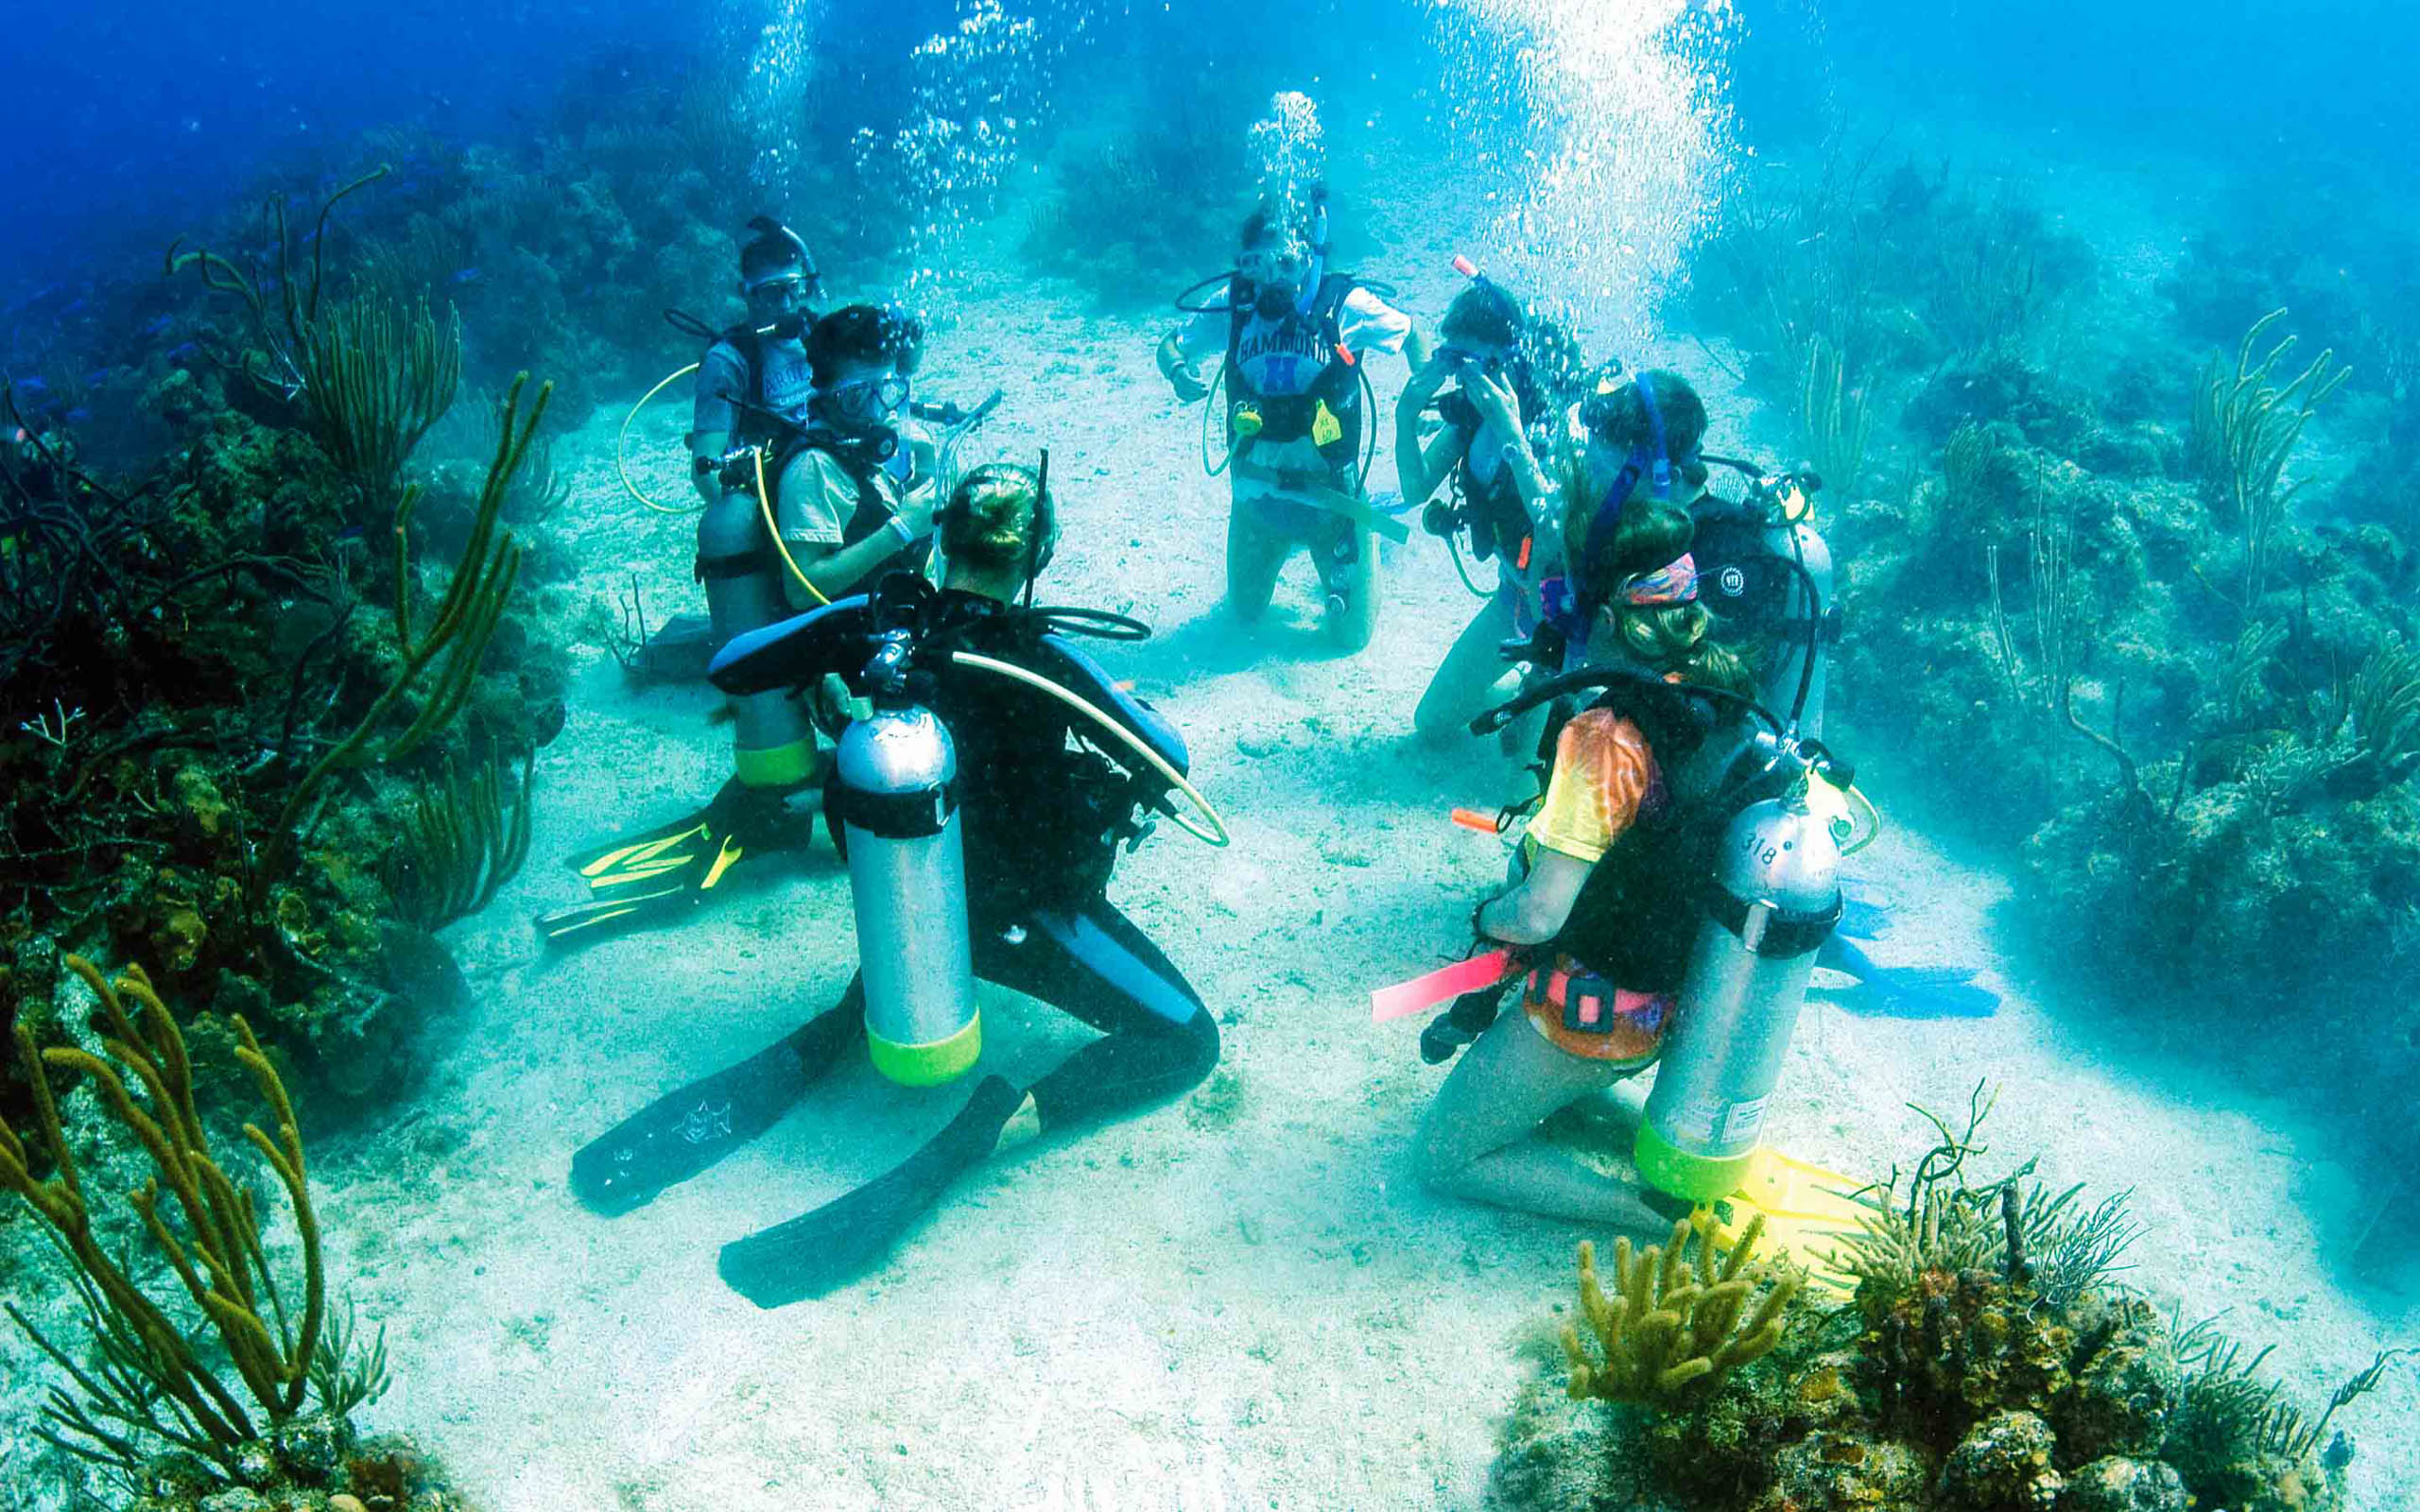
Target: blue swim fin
{"points": [[1865, 912], [1864, 920], [1907, 991]]}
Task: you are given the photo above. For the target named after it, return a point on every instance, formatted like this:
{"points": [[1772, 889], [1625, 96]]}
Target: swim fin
{"points": [[663, 871], [1906, 991], [1808, 1210], [817, 1252], [682, 1132]]}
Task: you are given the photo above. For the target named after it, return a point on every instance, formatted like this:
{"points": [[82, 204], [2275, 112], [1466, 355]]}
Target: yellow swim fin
{"points": [[1808, 1215]]}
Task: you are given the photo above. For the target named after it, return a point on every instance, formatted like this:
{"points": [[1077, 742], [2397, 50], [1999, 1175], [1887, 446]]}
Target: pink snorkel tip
{"points": [[1465, 267]]}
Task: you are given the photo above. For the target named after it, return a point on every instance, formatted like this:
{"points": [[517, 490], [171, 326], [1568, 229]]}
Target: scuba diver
{"points": [[1603, 909], [980, 803], [1499, 421], [1293, 339], [838, 520], [754, 382], [851, 507]]}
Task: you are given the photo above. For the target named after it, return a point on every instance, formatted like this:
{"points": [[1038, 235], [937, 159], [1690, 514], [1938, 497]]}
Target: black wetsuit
{"points": [[1042, 821]]}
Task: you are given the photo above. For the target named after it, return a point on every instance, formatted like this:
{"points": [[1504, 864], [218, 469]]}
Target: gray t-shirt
{"points": [[722, 377]]}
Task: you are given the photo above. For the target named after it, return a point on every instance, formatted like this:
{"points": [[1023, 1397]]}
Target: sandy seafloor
{"points": [[1242, 1300]]}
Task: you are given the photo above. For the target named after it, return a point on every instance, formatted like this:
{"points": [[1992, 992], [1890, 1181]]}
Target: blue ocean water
{"points": [[2152, 866]]}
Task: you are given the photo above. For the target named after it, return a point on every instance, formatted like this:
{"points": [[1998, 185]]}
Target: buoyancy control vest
{"points": [[1045, 811], [1493, 508], [759, 406], [1637, 915], [1288, 372]]}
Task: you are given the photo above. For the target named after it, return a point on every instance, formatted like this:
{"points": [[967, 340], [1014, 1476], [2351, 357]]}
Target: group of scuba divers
{"points": [[873, 627]]}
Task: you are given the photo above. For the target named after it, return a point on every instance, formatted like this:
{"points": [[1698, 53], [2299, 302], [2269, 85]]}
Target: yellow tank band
{"points": [[776, 766], [927, 1065]]}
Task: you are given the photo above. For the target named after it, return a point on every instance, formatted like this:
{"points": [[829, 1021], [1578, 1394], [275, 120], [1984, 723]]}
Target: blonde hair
{"points": [[995, 521]]}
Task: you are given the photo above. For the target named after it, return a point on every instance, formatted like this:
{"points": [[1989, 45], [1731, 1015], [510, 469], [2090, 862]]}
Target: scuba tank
{"points": [[895, 796], [1807, 625], [1771, 900], [772, 738], [1774, 899]]}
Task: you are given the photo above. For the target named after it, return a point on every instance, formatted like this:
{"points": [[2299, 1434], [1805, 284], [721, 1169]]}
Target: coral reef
{"points": [[205, 736], [185, 1426], [1986, 1363]]}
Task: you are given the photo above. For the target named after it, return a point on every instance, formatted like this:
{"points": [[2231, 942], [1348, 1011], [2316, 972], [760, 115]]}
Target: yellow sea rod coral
{"points": [[1671, 1329]]}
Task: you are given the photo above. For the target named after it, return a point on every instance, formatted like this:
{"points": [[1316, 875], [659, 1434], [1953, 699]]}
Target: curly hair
{"points": [[995, 520]]}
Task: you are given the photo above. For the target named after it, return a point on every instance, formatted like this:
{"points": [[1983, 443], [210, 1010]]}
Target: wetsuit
{"points": [[1042, 823]]}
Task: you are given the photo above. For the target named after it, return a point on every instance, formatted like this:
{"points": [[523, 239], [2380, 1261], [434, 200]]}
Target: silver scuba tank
{"points": [[1774, 900], [1799, 541], [772, 738], [896, 795]]}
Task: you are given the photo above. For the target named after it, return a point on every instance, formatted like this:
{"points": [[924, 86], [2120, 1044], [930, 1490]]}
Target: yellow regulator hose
{"points": [[622, 445], [765, 503], [1216, 833]]}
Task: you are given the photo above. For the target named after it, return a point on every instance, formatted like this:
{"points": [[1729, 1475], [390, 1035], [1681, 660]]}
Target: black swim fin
{"points": [[820, 1250], [681, 1133]]}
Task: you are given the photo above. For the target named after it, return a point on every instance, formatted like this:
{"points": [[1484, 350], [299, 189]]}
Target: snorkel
{"points": [[1315, 272], [1570, 602]]}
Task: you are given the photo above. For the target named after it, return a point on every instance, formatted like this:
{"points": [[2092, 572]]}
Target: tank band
{"points": [[734, 564], [896, 815], [783, 765], [1777, 934], [927, 1065]]}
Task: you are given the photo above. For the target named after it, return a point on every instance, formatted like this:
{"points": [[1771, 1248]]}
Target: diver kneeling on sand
{"points": [[1505, 371], [838, 520], [1294, 340], [1677, 876], [980, 803]]}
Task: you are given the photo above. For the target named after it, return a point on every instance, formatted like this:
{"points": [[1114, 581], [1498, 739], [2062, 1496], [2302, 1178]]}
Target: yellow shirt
{"points": [[1603, 771]]}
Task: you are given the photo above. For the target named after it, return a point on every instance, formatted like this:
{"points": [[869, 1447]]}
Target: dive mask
{"points": [[869, 400]]}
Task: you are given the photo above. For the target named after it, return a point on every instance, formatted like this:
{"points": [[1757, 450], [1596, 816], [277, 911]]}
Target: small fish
{"points": [[33, 386], [155, 327], [183, 349], [98, 376], [349, 535], [78, 415], [468, 275]]}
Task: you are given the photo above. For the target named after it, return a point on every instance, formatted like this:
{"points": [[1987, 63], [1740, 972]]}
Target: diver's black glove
{"points": [[1441, 519], [1189, 389], [1459, 1025]]}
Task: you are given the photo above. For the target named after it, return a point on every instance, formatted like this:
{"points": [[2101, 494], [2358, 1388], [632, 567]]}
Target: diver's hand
{"points": [[1189, 388], [1495, 400], [1423, 386], [915, 512]]}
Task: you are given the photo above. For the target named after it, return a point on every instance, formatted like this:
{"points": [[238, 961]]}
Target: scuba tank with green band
{"points": [[1775, 898], [1768, 901], [894, 802]]}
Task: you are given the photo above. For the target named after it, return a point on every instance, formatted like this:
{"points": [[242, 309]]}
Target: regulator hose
{"points": [[622, 438], [765, 505], [1214, 833]]}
